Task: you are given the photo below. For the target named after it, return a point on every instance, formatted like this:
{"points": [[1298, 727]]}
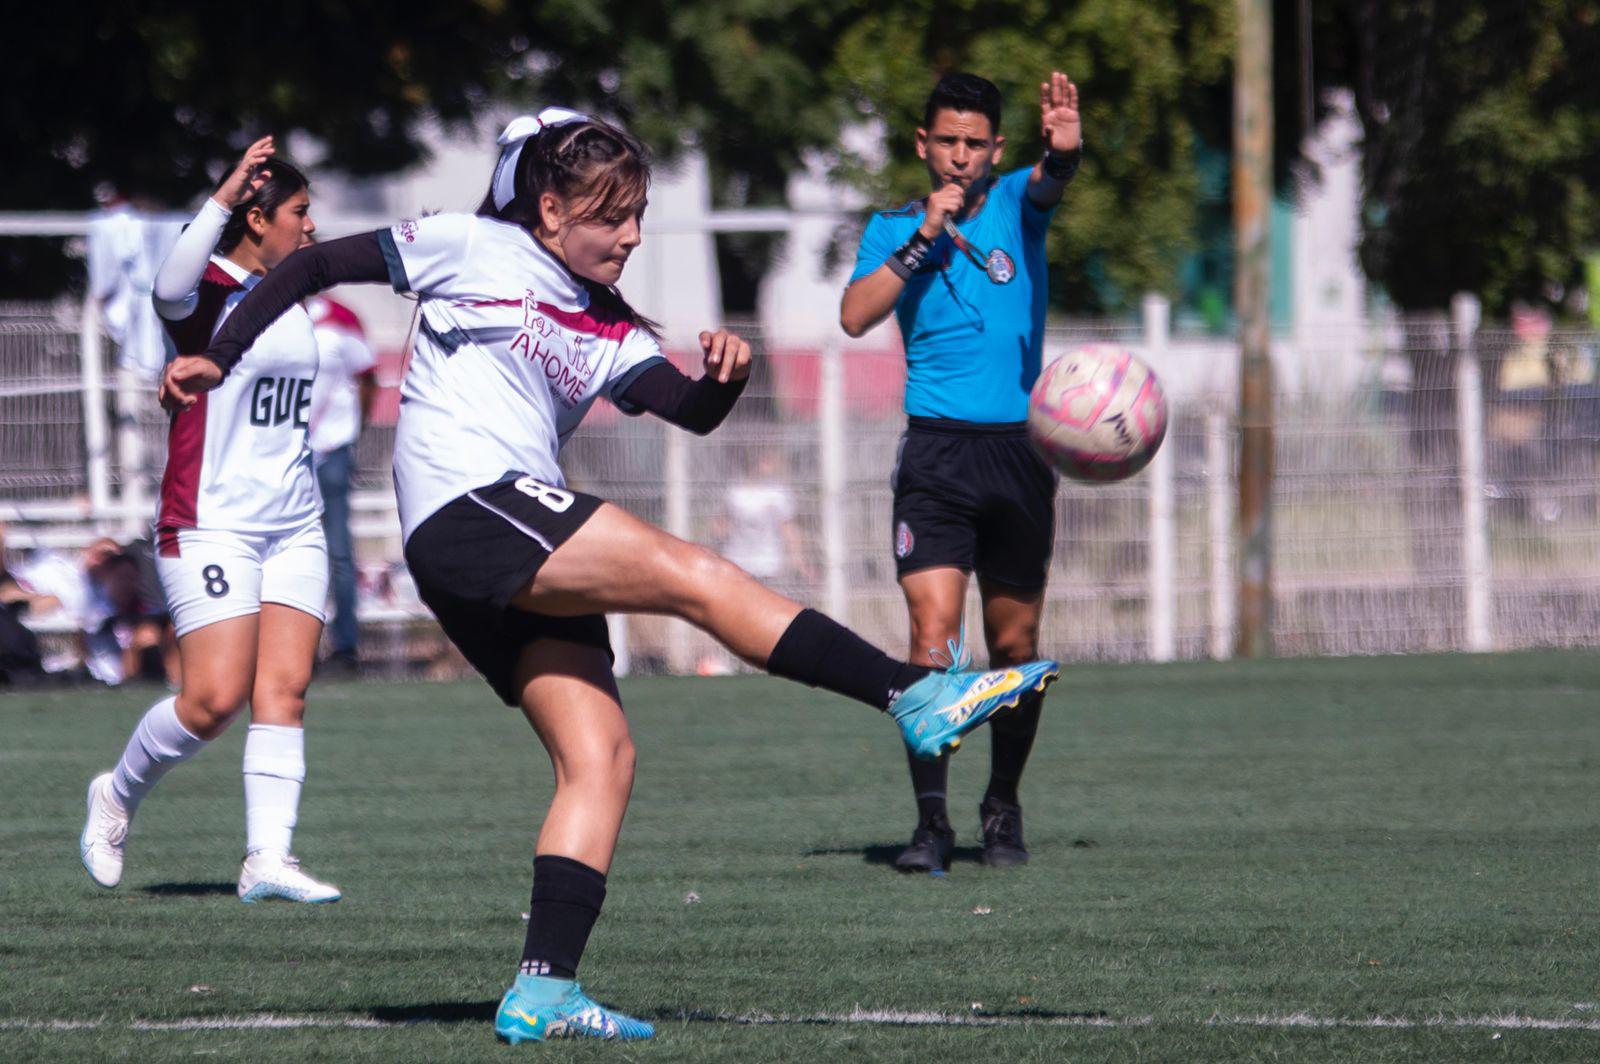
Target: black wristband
{"points": [[1060, 166], [908, 258]]}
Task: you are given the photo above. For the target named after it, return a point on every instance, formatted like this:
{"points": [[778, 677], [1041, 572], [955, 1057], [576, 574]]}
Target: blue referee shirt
{"points": [[972, 346]]}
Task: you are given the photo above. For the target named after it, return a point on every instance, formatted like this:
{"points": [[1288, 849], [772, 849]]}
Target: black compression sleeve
{"points": [[306, 272], [697, 405]]}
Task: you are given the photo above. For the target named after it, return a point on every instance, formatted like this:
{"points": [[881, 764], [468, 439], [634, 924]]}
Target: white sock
{"points": [[159, 742], [274, 769]]}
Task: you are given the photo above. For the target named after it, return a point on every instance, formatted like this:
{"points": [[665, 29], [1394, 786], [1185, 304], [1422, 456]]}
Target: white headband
{"points": [[511, 141]]}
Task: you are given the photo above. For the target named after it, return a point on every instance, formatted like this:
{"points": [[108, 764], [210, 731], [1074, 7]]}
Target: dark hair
{"points": [[283, 181], [580, 160], [964, 92]]}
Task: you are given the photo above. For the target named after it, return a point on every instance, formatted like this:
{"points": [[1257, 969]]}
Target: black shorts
{"points": [[473, 555], [974, 497]]}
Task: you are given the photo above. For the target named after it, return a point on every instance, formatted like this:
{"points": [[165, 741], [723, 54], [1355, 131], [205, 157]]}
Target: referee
{"points": [[964, 272]]}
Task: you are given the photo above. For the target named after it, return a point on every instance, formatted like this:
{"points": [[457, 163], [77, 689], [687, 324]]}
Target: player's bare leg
{"points": [[1011, 628], [218, 665], [570, 698], [285, 656], [935, 600], [614, 561], [617, 562], [275, 760]]}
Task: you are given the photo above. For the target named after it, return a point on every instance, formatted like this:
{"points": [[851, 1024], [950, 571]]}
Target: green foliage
{"points": [[1482, 143], [155, 98]]}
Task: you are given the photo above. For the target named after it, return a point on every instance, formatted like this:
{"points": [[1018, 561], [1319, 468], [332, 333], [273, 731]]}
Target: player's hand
{"points": [[943, 204], [242, 183], [727, 356], [1059, 122], [186, 377]]}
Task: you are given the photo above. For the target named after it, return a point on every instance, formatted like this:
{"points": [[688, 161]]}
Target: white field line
{"points": [[870, 1017]]}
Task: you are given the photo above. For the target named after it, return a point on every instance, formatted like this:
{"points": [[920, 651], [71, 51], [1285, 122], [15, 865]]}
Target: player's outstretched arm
{"points": [[308, 271], [1061, 128], [696, 405]]}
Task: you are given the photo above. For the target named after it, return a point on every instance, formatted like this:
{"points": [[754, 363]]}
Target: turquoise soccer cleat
{"points": [[537, 1007], [938, 710]]}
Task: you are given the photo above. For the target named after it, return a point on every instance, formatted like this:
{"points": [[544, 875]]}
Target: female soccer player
{"points": [[520, 330], [240, 548]]}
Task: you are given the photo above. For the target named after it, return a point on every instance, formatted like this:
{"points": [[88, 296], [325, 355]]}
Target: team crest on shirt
{"points": [[904, 541], [558, 352], [1000, 267]]}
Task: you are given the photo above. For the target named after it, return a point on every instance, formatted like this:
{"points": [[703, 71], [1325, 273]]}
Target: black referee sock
{"points": [[567, 896], [1010, 741], [820, 652], [930, 780]]}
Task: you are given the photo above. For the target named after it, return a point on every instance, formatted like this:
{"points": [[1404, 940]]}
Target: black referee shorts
{"points": [[973, 497], [471, 557]]}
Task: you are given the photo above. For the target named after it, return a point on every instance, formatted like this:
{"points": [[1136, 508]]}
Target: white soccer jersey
{"points": [[238, 460], [509, 357]]}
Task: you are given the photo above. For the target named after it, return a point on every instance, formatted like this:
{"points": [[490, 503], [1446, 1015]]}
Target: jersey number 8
{"points": [[216, 585], [557, 500]]}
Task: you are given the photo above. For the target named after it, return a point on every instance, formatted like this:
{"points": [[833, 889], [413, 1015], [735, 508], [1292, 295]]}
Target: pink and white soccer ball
{"points": [[1097, 413]]}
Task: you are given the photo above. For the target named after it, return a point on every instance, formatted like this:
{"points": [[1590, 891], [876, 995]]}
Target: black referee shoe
{"points": [[1002, 834], [931, 846]]}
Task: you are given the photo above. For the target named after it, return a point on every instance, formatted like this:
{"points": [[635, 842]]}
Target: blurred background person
{"points": [[98, 594], [341, 399], [20, 660]]}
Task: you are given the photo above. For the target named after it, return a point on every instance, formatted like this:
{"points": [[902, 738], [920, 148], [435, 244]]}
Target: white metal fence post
{"points": [[1465, 312], [675, 477], [96, 436], [131, 392], [621, 651], [1163, 531], [1219, 525], [830, 447]]}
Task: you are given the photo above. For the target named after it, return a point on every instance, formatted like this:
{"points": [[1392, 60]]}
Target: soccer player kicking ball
{"points": [[964, 272], [240, 549], [521, 328]]}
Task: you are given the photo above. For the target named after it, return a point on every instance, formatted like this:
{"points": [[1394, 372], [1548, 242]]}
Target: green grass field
{"points": [[1231, 862]]}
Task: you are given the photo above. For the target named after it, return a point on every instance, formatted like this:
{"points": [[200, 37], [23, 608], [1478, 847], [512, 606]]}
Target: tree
{"points": [[1481, 150]]}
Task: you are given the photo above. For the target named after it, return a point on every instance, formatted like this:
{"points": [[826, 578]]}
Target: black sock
{"points": [[820, 652], [567, 896], [1011, 740], [930, 780]]}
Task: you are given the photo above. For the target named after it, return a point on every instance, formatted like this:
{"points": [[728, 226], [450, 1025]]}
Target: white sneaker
{"points": [[277, 875], [104, 833]]}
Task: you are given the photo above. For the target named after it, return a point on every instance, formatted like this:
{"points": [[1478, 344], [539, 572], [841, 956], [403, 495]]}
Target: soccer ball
{"points": [[1097, 413]]}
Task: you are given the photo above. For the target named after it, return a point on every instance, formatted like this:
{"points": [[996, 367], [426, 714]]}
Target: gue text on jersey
{"points": [[556, 351], [275, 400]]}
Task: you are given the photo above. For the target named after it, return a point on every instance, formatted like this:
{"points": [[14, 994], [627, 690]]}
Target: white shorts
{"points": [[217, 575]]}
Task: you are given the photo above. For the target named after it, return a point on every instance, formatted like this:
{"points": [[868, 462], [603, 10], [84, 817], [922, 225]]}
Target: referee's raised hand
{"points": [[245, 178], [727, 356], [185, 378], [1059, 122]]}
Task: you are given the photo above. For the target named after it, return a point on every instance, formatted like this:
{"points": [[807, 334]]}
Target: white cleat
{"points": [[104, 833], [277, 875]]}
